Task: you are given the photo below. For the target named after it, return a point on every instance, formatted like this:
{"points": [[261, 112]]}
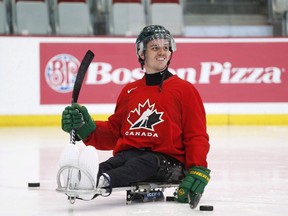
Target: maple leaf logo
{"points": [[145, 116]]}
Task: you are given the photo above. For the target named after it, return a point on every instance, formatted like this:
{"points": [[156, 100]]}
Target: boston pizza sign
{"points": [[240, 70]]}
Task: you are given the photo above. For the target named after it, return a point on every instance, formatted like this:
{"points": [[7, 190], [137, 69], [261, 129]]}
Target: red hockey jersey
{"points": [[172, 122]]}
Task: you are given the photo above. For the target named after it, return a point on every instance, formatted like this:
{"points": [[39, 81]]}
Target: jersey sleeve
{"points": [[107, 132], [195, 137]]}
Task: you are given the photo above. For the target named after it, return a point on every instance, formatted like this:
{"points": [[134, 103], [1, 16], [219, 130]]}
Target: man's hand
{"points": [[77, 117], [192, 187]]}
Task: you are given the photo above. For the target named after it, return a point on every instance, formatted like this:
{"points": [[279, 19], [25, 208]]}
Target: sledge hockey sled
{"points": [[139, 192]]}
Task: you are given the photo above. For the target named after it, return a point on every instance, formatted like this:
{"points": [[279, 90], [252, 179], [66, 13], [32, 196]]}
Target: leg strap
{"points": [[170, 170]]}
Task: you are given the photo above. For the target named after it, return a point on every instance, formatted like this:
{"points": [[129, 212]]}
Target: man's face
{"points": [[157, 55]]}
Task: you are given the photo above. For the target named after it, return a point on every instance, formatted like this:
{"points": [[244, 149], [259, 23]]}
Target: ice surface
{"points": [[249, 175]]}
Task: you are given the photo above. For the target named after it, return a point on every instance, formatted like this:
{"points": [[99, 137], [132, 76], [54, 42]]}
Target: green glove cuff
{"points": [[200, 173], [88, 123]]}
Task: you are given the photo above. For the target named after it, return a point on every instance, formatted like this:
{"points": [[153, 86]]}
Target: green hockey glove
{"points": [[192, 187], [71, 119], [77, 117]]}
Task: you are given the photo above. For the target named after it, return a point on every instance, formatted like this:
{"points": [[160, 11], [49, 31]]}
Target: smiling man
{"points": [[158, 130]]}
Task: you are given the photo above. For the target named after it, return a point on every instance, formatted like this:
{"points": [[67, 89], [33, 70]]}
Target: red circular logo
{"points": [[61, 71]]}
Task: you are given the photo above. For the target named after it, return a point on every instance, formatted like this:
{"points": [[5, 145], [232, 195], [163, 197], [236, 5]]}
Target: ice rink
{"points": [[249, 175]]}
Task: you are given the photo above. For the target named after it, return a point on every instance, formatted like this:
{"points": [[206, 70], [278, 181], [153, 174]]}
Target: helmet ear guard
{"points": [[141, 60]]}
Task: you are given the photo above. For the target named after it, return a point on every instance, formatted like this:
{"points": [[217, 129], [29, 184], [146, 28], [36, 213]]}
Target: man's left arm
{"points": [[196, 143]]}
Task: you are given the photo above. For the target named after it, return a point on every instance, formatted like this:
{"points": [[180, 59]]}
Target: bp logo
{"points": [[145, 116], [61, 71]]}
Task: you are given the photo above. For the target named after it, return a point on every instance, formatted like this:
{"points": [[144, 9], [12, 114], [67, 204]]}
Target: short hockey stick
{"points": [[78, 83]]}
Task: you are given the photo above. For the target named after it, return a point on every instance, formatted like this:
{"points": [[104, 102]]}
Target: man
{"points": [[158, 129]]}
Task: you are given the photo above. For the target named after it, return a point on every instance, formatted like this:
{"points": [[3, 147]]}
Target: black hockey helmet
{"points": [[149, 33]]}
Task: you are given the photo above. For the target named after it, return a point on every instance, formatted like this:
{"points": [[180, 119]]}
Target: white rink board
{"points": [[20, 81]]}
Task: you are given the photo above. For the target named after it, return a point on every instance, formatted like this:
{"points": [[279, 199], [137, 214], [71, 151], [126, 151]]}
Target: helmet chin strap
{"points": [[141, 63]]}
